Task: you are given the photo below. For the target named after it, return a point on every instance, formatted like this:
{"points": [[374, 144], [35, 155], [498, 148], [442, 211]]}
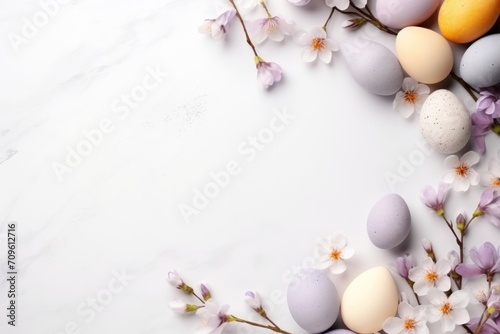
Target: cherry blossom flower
{"points": [[344, 4], [315, 43], [489, 101], [268, 73], [411, 98], [429, 275], [178, 306], [491, 178], [299, 2], [434, 200], [331, 252], [253, 300], [489, 206], [275, 28], [411, 320], [462, 175], [486, 262], [450, 310], [217, 27], [214, 318]]}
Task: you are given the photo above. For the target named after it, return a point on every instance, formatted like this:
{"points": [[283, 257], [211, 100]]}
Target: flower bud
{"points": [[354, 23], [253, 300], [454, 259], [427, 245], [205, 292], [178, 306], [176, 281], [460, 222], [403, 265]]}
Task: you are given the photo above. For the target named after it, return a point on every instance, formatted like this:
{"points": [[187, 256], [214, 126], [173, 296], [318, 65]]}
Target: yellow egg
{"points": [[463, 21], [369, 300], [424, 54]]}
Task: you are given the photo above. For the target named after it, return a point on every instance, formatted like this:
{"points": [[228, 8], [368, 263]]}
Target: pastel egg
{"points": [[389, 222], [313, 300], [463, 21], [445, 122], [373, 66], [369, 300], [480, 65], [404, 13], [424, 54]]}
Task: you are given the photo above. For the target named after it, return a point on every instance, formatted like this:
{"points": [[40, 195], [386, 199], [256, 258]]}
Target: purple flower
{"points": [[268, 73], [217, 27], [488, 328], [481, 126], [489, 205], [433, 200], [486, 261], [403, 265], [205, 292], [489, 101]]}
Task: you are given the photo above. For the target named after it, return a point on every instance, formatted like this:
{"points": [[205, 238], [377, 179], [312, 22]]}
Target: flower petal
{"points": [[309, 54], [406, 109], [468, 270], [393, 325], [338, 267], [459, 299], [451, 161], [470, 158]]}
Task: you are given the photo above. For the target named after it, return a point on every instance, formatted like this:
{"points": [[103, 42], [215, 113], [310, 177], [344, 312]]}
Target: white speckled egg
{"points": [[424, 54], [404, 13], [389, 222], [480, 65], [369, 300], [373, 66], [445, 122], [313, 300]]}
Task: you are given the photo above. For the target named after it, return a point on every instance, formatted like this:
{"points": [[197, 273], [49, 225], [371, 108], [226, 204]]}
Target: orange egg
{"points": [[463, 21]]}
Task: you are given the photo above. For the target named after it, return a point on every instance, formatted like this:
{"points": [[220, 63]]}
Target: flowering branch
{"points": [[369, 17], [471, 90], [240, 18]]}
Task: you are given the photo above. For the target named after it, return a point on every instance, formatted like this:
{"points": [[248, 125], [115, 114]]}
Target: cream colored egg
{"points": [[369, 300], [424, 54], [445, 122]]}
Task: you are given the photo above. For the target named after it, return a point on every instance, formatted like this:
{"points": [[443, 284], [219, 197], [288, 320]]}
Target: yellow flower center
{"points": [[271, 26], [445, 308], [431, 276], [409, 324], [462, 170], [410, 96], [495, 182], [318, 43], [335, 254]]}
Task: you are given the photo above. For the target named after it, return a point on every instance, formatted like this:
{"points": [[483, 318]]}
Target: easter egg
{"points": [[373, 66], [463, 21], [404, 13], [424, 54], [313, 300], [480, 65], [445, 122], [369, 300], [389, 222]]}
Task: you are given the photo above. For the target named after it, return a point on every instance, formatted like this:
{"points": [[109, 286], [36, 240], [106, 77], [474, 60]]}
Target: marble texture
{"points": [[115, 115]]}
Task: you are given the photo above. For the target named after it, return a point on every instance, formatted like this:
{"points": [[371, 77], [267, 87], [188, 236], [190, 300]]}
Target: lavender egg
{"points": [[403, 13], [373, 66], [480, 65], [313, 300], [389, 222]]}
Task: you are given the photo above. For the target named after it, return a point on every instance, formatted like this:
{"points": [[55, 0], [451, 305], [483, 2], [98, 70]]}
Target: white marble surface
{"points": [[97, 238]]}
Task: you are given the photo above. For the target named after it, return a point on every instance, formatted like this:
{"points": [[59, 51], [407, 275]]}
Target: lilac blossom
{"points": [[434, 200], [489, 101], [481, 126], [489, 327], [404, 264], [214, 318], [489, 206], [486, 262]]}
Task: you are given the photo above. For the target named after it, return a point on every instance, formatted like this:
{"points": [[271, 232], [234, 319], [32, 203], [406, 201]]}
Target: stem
{"points": [[251, 323], [263, 4], [481, 324], [198, 297], [272, 322], [452, 230], [329, 17], [465, 85], [369, 18], [249, 41], [468, 223]]}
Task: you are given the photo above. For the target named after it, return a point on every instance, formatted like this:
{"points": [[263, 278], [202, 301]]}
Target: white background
{"points": [[118, 209]]}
